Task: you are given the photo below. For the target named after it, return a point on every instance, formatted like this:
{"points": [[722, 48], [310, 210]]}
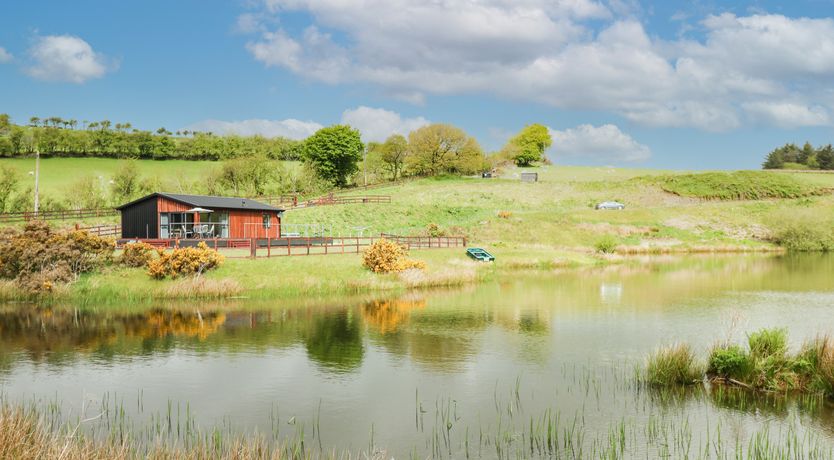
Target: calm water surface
{"points": [[425, 372]]}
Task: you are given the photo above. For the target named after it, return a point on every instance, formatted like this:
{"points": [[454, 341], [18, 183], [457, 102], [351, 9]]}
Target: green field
{"points": [[58, 175]]}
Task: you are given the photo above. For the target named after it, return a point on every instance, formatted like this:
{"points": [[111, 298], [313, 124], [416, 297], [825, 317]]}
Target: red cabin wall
{"points": [[249, 224], [242, 224], [166, 205]]}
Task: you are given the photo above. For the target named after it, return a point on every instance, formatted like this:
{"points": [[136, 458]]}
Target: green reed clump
{"points": [[606, 245], [729, 361], [673, 365], [766, 364]]}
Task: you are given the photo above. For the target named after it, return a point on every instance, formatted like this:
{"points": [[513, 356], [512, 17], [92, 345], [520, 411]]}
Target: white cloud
{"points": [[604, 143], [549, 52], [289, 128], [787, 114], [377, 124], [66, 58], [5, 56]]}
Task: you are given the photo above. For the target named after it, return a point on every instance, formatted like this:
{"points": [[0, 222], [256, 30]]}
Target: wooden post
{"points": [[253, 248], [268, 247], [308, 245]]}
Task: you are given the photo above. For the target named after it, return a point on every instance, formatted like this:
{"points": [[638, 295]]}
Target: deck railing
{"points": [[303, 246]]}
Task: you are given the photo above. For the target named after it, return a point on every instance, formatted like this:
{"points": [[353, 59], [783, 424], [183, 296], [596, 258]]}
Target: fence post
{"points": [[308, 245], [289, 246], [253, 248], [268, 247]]}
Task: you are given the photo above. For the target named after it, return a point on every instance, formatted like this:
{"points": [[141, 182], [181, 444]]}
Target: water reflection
{"points": [[238, 358]]}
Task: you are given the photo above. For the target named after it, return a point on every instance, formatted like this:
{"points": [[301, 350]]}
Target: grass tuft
{"points": [[673, 365]]}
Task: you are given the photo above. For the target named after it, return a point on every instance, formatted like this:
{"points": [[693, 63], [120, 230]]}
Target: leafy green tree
{"points": [[393, 153], [5, 123], [334, 153], [529, 144], [8, 184], [441, 148], [247, 176], [125, 183], [774, 160]]}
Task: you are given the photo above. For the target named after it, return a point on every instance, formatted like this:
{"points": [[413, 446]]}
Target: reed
{"points": [[673, 365]]}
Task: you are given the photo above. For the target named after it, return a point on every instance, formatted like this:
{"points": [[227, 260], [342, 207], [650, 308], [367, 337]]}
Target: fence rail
{"points": [[303, 246], [294, 202], [56, 215], [102, 230]]}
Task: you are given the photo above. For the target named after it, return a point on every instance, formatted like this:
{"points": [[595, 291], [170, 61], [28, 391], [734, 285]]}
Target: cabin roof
{"points": [[209, 202]]}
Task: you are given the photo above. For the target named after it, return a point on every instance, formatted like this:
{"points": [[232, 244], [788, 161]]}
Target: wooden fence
{"points": [[109, 231], [56, 215], [305, 246], [293, 202]]}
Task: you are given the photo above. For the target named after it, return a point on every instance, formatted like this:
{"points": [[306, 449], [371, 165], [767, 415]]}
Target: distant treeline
{"points": [[790, 156], [57, 137]]}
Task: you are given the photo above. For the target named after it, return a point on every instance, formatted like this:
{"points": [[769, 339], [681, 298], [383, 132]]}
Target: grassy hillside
{"points": [[58, 175], [557, 212]]}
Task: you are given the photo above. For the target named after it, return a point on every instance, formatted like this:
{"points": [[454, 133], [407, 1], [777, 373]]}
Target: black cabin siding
{"points": [[140, 220]]}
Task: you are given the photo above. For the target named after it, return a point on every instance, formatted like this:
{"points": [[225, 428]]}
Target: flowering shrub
{"points": [[184, 261], [505, 214], [433, 230], [137, 254], [39, 258], [387, 256]]}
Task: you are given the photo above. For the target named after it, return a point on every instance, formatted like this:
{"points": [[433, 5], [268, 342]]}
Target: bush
{"points": [[505, 214], [137, 254], [674, 365], [768, 343], [606, 245], [801, 230], [433, 230], [184, 261], [38, 259], [386, 256], [728, 361]]}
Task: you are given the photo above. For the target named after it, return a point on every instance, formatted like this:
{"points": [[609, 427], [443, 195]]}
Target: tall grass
{"points": [[673, 365]]}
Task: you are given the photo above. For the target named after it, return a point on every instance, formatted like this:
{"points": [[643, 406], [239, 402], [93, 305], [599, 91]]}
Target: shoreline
{"points": [[290, 278]]}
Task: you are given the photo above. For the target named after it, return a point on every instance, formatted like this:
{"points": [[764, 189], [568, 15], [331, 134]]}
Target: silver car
{"points": [[610, 205]]}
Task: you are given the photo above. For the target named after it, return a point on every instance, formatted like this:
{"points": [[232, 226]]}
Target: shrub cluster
{"points": [[137, 254], [387, 256], [38, 258], [767, 365], [505, 214], [433, 230], [184, 261], [606, 245]]}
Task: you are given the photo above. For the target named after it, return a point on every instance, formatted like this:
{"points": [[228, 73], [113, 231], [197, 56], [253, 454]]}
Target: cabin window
{"points": [[267, 220]]}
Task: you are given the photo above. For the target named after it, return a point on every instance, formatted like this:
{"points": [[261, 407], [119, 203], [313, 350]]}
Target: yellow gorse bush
{"points": [[387, 256], [137, 254], [184, 261]]}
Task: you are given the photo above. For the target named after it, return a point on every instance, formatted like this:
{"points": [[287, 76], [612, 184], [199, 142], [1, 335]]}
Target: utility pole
{"points": [[37, 177], [364, 164]]}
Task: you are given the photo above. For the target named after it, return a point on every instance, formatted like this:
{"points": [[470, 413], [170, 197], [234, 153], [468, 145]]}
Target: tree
{"points": [[806, 153], [8, 184], [440, 148], [393, 153], [125, 183], [825, 157], [334, 152], [529, 144], [5, 123], [774, 160]]}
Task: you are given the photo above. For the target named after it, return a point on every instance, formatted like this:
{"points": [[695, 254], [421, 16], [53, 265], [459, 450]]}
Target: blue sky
{"points": [[696, 85]]}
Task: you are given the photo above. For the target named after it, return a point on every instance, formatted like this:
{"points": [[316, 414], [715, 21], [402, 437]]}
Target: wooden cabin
{"points": [[176, 216]]}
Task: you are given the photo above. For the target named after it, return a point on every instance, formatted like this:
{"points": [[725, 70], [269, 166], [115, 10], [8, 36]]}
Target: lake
{"points": [[538, 364]]}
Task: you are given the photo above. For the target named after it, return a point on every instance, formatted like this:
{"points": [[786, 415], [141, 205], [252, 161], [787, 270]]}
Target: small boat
{"points": [[480, 254]]}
